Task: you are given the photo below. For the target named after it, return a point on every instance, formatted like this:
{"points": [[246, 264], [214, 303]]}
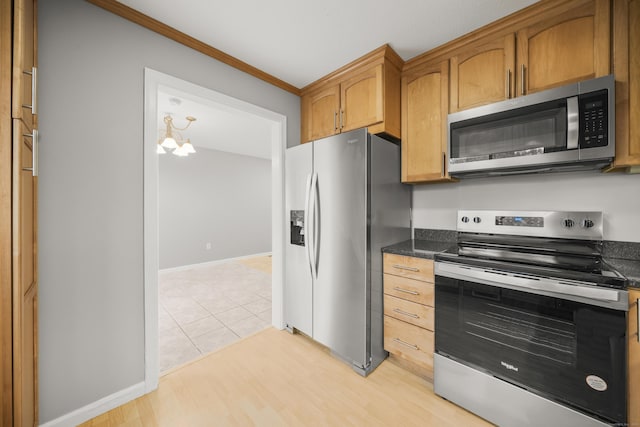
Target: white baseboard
{"points": [[204, 264], [98, 407]]}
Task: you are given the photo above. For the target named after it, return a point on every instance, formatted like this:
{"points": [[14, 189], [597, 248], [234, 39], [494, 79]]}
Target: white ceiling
{"points": [[299, 41]]}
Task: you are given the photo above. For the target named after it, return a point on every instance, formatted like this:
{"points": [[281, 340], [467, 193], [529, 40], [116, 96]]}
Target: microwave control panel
{"points": [[594, 131]]}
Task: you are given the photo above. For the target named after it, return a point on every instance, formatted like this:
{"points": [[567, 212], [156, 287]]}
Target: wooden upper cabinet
{"points": [[364, 93], [483, 74], [626, 57], [362, 98], [566, 47], [320, 112], [425, 103]]}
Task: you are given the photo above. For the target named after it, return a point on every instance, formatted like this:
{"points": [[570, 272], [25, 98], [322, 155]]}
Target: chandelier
{"points": [[172, 139]]}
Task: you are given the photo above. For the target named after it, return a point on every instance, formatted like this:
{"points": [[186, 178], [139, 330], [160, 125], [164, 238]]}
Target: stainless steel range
{"points": [[530, 323]]}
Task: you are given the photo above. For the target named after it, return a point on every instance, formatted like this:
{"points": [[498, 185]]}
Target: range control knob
{"points": [[587, 223], [465, 219], [477, 219], [568, 223]]}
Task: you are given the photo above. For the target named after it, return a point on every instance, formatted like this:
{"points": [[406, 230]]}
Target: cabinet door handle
{"points": [[405, 267], [406, 313], [443, 172], [335, 120], [341, 119], [507, 89], [406, 344], [34, 152], [406, 291], [522, 73], [34, 89]]}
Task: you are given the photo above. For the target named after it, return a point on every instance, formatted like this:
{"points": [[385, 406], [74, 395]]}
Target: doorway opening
{"points": [[156, 84]]}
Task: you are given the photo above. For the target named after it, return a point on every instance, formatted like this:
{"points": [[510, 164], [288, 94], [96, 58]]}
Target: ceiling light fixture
{"points": [[172, 140]]}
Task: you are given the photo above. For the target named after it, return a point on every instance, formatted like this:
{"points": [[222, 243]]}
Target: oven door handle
{"points": [[567, 289]]}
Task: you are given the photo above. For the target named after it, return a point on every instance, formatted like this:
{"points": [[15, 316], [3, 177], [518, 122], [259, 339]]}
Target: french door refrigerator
{"points": [[344, 202]]}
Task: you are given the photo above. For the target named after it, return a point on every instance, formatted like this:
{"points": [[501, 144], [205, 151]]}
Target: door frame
{"points": [[153, 81]]}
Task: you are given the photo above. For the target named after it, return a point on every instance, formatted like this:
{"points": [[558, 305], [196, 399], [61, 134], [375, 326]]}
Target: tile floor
{"points": [[205, 308]]}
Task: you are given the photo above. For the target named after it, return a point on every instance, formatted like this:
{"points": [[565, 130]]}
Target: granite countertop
{"points": [[418, 248], [628, 268]]}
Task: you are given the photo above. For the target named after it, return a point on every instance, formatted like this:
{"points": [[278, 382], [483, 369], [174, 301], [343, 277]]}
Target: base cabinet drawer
{"points": [[409, 289], [406, 266], [410, 312], [409, 342]]}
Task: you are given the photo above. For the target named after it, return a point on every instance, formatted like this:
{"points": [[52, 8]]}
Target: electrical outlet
{"points": [[208, 246]]}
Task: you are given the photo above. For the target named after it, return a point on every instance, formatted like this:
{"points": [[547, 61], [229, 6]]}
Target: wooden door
{"points": [[361, 99], [6, 142], [634, 358], [425, 102], [565, 48], [24, 212], [483, 74], [320, 113]]}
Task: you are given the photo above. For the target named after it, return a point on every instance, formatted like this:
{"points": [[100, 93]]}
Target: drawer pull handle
{"points": [[406, 313], [406, 291], [404, 267], [406, 344]]}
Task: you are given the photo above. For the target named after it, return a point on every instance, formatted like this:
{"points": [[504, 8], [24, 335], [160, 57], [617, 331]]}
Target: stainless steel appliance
{"points": [[345, 202], [561, 129], [530, 322]]}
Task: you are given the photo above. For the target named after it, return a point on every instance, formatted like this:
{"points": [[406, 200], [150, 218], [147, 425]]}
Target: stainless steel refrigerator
{"points": [[344, 202]]}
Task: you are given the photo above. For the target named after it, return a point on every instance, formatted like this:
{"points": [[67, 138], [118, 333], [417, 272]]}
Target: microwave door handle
{"points": [[573, 123]]}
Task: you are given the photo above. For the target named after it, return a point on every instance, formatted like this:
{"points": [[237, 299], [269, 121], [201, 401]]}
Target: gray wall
{"points": [[615, 194], [91, 192], [217, 197]]}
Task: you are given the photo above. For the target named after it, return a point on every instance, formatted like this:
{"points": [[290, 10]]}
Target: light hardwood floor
{"points": [[274, 378]]}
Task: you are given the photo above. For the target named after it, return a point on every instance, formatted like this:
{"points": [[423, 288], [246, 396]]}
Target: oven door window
{"points": [[566, 351], [526, 131]]}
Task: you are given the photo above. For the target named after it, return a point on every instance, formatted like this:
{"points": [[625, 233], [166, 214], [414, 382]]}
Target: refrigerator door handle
{"points": [[315, 224], [307, 220], [312, 230]]}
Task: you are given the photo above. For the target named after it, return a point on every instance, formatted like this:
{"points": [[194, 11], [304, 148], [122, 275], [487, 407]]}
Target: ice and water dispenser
{"points": [[297, 228]]}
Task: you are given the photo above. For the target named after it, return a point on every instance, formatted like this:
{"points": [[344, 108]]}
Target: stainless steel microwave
{"points": [[562, 129]]}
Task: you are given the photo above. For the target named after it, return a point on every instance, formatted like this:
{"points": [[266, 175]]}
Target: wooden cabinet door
{"points": [[634, 358], [425, 102], [483, 74], [626, 22], [565, 48], [361, 99], [320, 111], [25, 279], [24, 61]]}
